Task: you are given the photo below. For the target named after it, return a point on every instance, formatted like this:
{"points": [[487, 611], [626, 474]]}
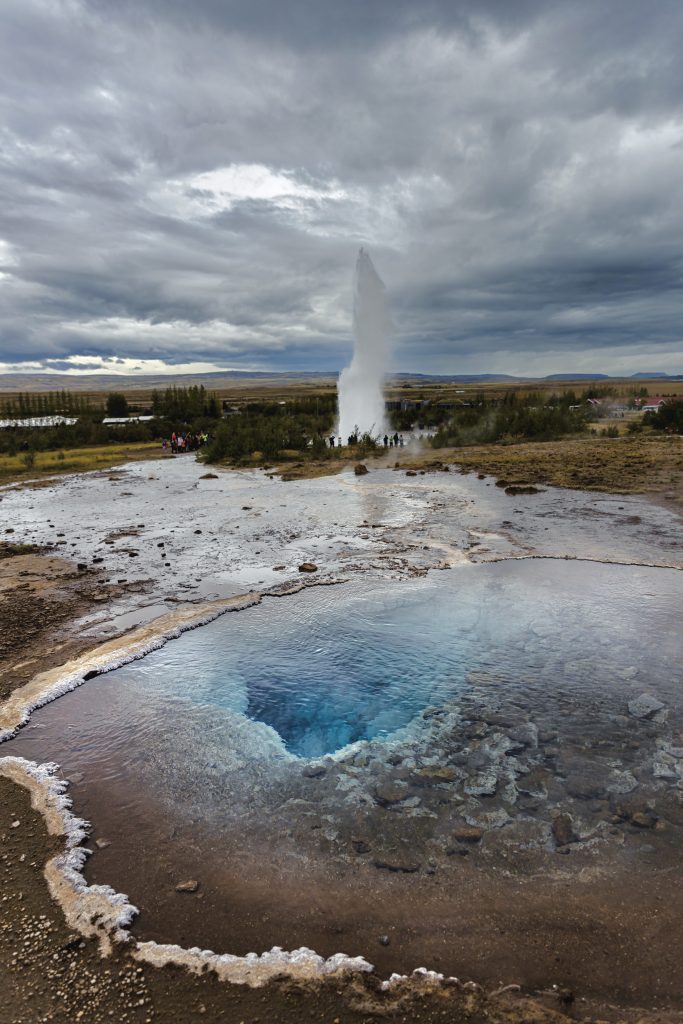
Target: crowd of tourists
{"points": [[188, 442], [390, 441]]}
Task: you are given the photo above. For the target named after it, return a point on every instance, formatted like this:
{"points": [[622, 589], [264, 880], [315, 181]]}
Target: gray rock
{"points": [[388, 793], [621, 782], [644, 706], [481, 784], [585, 787], [664, 771], [526, 734]]}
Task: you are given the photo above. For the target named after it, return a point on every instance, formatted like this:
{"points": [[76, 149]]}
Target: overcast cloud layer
{"points": [[187, 184]]}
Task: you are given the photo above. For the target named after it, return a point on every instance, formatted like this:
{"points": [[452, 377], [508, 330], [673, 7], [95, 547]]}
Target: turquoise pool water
{"points": [[334, 665]]}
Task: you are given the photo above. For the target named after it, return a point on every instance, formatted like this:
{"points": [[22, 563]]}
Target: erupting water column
{"points": [[361, 385]]}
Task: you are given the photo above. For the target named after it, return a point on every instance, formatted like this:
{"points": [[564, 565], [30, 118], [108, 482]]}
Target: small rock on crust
{"points": [[645, 706], [190, 886], [643, 819], [481, 784], [563, 830], [308, 567], [209, 476], [468, 834], [397, 863], [102, 844], [436, 774], [522, 489], [360, 469], [390, 793]]}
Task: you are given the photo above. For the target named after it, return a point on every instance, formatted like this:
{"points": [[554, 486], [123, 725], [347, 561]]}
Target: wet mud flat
{"points": [[509, 839]]}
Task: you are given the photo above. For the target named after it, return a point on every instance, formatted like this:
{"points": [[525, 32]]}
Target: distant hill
{"points": [[98, 382], [458, 378], [129, 382], [576, 376]]}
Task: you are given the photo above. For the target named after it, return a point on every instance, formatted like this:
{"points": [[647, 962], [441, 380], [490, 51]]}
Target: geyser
{"points": [[361, 385]]}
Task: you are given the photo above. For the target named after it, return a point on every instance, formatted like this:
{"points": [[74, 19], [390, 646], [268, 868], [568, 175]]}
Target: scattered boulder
{"points": [[621, 782], [481, 784], [522, 489], [384, 940], [643, 819], [468, 834], [360, 469], [388, 793], [360, 846], [209, 476], [411, 472], [645, 706], [398, 862], [526, 734], [102, 844], [190, 886], [313, 771], [563, 830], [435, 774], [661, 770], [308, 567], [585, 787]]}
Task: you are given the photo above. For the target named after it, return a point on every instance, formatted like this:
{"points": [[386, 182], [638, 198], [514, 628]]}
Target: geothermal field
{"points": [[413, 733], [455, 745]]}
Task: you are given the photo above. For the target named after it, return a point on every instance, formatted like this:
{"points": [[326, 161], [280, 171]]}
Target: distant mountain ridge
{"points": [[113, 382]]}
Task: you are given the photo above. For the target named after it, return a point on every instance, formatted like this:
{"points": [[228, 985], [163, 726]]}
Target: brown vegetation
{"points": [[639, 464]]}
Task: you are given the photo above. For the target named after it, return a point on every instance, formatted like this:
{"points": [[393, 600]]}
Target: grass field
{"points": [[624, 465], [74, 460]]}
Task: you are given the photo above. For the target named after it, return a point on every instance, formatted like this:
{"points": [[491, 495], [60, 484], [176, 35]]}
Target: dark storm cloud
{"points": [[189, 183]]}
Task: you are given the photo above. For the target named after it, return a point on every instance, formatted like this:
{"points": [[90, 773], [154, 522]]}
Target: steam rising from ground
{"points": [[361, 385]]}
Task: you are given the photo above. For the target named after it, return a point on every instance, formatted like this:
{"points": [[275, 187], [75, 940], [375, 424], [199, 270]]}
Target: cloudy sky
{"points": [[186, 185]]}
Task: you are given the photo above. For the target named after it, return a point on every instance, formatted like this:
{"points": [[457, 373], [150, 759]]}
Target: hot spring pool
{"points": [[350, 734], [334, 665]]}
